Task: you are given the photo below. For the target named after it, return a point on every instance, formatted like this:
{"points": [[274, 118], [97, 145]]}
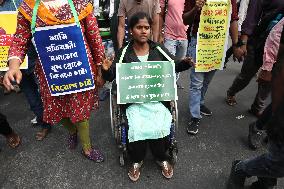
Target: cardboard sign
{"points": [[140, 82], [8, 24], [63, 56], [212, 35]]}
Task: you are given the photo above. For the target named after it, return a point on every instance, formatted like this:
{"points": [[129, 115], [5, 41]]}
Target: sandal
{"points": [[13, 140], [231, 100], [94, 155], [167, 169], [42, 134], [72, 141], [134, 171]]}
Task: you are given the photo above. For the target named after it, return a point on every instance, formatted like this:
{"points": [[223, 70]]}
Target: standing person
{"points": [[252, 44], [73, 110], [172, 30], [269, 58], [29, 84], [127, 8], [269, 166], [114, 26], [13, 140], [199, 81]]}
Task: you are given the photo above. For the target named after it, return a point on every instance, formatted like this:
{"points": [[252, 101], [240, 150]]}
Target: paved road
{"points": [[204, 161]]}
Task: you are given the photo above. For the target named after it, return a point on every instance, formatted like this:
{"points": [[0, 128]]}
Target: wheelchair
{"points": [[119, 127]]}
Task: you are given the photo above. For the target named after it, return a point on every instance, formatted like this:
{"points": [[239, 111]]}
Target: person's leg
{"points": [[159, 149], [181, 49], [207, 79], [264, 118], [67, 124], [256, 128], [248, 71], [13, 140], [195, 89], [137, 152], [267, 167], [264, 183], [72, 137], [174, 46], [263, 92], [171, 45], [5, 128], [195, 95], [196, 81], [84, 135], [30, 88], [264, 167]]}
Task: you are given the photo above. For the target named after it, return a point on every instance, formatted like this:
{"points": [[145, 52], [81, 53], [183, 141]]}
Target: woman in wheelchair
{"points": [[147, 122]]}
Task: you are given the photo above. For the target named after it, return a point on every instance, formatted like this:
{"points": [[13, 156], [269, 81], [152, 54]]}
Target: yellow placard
{"points": [[8, 23], [212, 35]]}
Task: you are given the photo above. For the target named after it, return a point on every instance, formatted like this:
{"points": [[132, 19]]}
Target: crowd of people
{"points": [[154, 30]]}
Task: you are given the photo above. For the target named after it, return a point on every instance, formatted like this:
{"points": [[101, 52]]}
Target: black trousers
{"points": [[264, 118], [5, 128], [137, 150], [250, 67]]}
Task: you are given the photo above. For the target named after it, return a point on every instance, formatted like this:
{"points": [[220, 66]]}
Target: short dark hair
{"points": [[138, 16]]}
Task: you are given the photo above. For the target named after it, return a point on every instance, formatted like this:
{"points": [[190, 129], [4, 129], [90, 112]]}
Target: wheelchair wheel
{"points": [[174, 156], [122, 157], [117, 134], [173, 152], [174, 112], [121, 160], [114, 111]]}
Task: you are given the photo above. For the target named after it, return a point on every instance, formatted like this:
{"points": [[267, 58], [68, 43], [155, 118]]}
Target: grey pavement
{"points": [[204, 161]]}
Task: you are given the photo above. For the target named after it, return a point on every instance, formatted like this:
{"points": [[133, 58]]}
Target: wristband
{"points": [[241, 43]]}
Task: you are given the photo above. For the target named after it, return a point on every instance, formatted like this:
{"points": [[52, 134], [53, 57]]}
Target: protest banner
{"points": [[140, 82], [8, 23], [212, 37], [63, 56]]}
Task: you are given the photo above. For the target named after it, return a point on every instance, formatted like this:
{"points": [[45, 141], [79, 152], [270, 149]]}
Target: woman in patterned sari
{"points": [[72, 110]]}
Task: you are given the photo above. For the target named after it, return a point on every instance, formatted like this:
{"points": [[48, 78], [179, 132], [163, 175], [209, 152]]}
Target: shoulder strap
{"points": [[159, 49], [15, 5], [123, 54], [164, 53]]}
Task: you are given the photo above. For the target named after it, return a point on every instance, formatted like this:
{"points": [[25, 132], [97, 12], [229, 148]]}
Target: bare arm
{"points": [[121, 31], [155, 27], [161, 24], [234, 32], [189, 16], [237, 51]]}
